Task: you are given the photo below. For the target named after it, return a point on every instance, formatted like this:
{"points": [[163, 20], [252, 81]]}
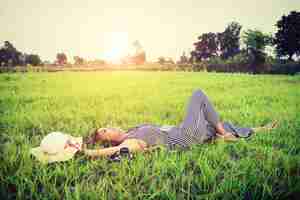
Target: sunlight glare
{"points": [[117, 46]]}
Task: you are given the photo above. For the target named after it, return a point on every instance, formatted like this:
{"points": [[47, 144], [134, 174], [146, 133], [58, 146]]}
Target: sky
{"points": [[97, 28]]}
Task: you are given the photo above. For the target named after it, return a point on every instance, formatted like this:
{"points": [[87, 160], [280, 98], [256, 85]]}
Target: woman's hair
{"points": [[92, 135]]}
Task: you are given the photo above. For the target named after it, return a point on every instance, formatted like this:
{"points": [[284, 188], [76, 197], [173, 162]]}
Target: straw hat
{"points": [[57, 147]]}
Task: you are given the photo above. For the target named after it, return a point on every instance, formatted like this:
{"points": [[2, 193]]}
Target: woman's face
{"points": [[102, 134], [99, 135]]}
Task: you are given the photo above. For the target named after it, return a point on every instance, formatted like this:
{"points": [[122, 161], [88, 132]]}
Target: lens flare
{"points": [[116, 47]]}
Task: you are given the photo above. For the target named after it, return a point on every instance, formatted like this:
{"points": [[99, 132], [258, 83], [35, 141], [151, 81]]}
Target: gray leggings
{"points": [[198, 124], [199, 109], [194, 128]]}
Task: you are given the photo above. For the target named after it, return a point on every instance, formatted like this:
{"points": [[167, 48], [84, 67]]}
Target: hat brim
{"points": [[49, 158], [67, 154]]}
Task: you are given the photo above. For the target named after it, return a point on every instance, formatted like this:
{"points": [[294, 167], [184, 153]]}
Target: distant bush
{"points": [[236, 64], [229, 67], [242, 58], [200, 66], [287, 68], [243, 63]]}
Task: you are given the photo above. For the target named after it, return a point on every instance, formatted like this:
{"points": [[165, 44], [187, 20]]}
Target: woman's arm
{"points": [[134, 145]]}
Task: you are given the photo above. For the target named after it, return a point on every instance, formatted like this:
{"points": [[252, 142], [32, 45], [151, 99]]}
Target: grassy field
{"points": [[265, 166]]}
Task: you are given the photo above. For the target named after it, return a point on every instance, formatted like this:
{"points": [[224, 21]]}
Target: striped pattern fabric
{"points": [[197, 126], [149, 133]]}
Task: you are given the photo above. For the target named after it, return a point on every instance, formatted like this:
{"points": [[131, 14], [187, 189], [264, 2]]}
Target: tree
{"points": [[22, 59], [9, 47], [256, 42], [78, 60], [165, 60], [229, 40], [161, 60], [183, 59], [169, 60], [9, 55], [139, 56], [61, 58], [33, 59], [287, 38], [3, 57], [206, 47], [99, 62]]}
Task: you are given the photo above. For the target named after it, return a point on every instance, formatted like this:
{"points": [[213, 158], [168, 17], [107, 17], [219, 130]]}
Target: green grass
{"points": [[264, 166]]}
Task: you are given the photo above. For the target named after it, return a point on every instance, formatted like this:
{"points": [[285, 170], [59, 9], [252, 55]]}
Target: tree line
{"points": [[225, 47], [231, 47], [10, 56]]}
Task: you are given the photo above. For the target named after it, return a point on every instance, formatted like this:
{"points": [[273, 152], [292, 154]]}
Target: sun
{"points": [[116, 46]]}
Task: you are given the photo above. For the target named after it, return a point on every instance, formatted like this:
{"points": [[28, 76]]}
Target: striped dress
{"points": [[196, 128]]}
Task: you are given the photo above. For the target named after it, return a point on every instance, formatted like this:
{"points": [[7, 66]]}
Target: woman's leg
{"points": [[199, 102], [194, 127], [199, 112], [266, 127]]}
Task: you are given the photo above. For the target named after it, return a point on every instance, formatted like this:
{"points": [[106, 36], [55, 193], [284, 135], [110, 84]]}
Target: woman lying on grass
{"points": [[201, 124]]}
